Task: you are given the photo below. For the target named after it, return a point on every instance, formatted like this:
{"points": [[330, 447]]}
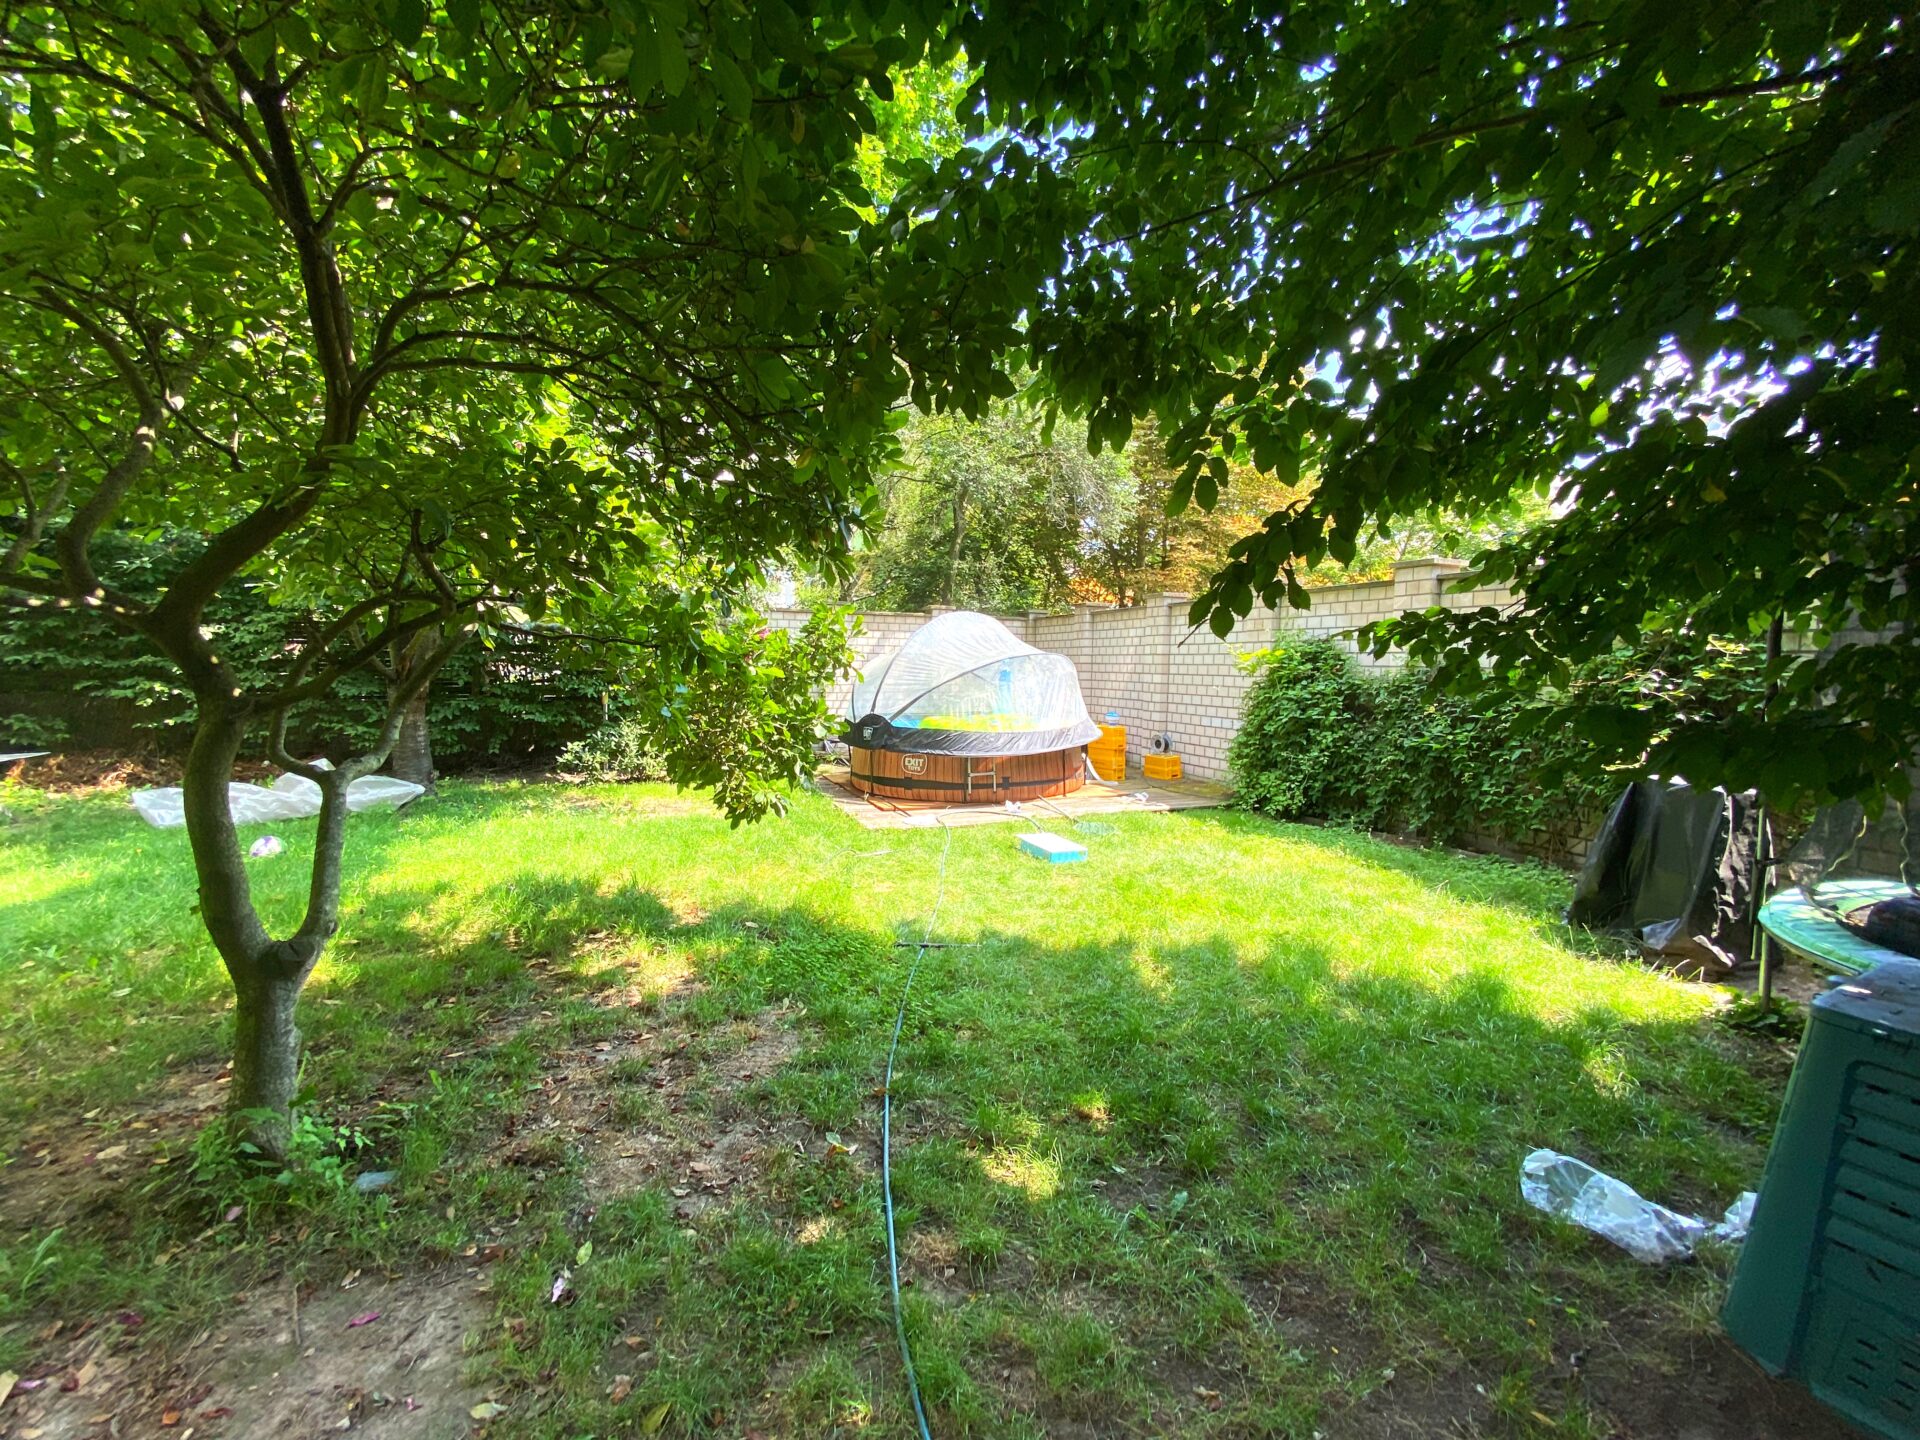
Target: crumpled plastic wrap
{"points": [[285, 797], [1612, 1209]]}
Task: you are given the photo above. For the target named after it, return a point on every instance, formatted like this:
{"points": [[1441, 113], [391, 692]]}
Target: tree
{"points": [[1655, 261], [995, 514], [448, 323], [1008, 513]]}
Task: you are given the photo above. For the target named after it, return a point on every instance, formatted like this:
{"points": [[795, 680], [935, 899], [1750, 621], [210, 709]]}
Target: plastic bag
{"points": [[1614, 1210], [265, 846], [286, 797], [165, 809]]}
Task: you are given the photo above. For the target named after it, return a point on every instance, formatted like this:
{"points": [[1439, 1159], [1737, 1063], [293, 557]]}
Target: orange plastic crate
{"points": [[1160, 767]]}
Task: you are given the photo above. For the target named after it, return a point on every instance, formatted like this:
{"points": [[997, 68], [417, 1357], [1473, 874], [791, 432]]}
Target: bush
{"points": [[76, 679], [1322, 740], [620, 751]]}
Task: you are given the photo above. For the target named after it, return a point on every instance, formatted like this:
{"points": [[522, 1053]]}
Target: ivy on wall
{"points": [[1322, 740]]}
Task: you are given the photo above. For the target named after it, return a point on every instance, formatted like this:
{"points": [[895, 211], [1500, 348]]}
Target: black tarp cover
{"points": [[1674, 868]]}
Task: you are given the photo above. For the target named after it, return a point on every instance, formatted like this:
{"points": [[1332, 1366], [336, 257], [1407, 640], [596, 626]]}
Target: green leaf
{"points": [[407, 19], [46, 129], [732, 85], [465, 15], [673, 60]]}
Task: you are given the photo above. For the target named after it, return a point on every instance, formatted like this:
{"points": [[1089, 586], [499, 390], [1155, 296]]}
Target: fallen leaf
{"points": [[632, 1342], [234, 1212], [488, 1410], [218, 1412], [656, 1417], [7, 1381], [622, 1388], [112, 1152], [169, 1417], [367, 1319]]}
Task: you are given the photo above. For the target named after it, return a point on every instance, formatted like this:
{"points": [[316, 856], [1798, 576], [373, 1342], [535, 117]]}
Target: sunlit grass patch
{"points": [[1201, 1138]]}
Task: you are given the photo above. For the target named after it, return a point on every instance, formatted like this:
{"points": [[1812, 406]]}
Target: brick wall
{"points": [[1144, 663]]}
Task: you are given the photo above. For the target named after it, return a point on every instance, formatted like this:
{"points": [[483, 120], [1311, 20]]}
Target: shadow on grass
{"points": [[1217, 1184], [1187, 1165]]}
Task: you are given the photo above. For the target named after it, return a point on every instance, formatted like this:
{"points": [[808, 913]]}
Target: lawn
{"points": [[1215, 1135]]}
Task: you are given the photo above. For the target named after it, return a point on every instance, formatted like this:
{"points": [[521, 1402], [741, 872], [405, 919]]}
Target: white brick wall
{"points": [[1143, 661]]}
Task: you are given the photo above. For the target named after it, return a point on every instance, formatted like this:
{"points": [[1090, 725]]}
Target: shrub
{"points": [[1322, 740], [77, 679], [620, 751], [1302, 737]]}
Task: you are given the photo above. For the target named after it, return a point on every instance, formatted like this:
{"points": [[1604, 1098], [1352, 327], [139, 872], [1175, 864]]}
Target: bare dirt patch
{"points": [[83, 772], [282, 1365], [65, 1168], [663, 1105], [1706, 1389]]}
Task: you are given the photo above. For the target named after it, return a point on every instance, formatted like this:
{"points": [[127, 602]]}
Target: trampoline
{"points": [[967, 712]]}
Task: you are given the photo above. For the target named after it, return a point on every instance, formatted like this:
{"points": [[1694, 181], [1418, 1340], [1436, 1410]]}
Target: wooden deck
{"points": [[1096, 797]]}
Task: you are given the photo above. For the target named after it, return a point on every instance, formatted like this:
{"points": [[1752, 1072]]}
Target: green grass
{"points": [[1217, 1133]]}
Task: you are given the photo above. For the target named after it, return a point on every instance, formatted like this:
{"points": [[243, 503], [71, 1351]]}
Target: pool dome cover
{"points": [[965, 684]]}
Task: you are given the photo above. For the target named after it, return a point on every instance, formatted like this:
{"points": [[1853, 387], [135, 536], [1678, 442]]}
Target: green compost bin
{"points": [[1828, 1286]]}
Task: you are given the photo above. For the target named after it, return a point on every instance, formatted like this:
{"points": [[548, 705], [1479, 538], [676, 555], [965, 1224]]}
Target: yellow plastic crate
{"points": [[1160, 767], [1108, 763], [1112, 735]]}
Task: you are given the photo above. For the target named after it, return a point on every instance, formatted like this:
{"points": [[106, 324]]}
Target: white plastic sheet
{"points": [[1614, 1210], [285, 797]]}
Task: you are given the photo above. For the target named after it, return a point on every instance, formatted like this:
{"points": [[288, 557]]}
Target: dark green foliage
{"points": [[75, 664], [517, 700], [1323, 740], [1658, 257]]}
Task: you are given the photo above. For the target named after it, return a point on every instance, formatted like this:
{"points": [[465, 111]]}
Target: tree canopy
{"points": [[1655, 259], [502, 315]]}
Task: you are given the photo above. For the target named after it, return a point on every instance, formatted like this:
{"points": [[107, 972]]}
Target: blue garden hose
{"points": [[886, 1145]]}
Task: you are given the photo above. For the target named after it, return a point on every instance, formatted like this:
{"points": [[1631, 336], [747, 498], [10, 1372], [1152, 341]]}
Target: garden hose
{"points": [[886, 1143]]}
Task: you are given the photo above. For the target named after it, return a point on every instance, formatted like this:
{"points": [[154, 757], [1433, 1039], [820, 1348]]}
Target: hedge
{"points": [[70, 678], [1322, 740]]}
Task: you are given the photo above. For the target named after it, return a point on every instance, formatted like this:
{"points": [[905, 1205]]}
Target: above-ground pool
{"points": [[966, 712]]}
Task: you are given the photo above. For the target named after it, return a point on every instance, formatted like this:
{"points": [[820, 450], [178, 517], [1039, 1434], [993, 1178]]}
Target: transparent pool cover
{"points": [[964, 682]]}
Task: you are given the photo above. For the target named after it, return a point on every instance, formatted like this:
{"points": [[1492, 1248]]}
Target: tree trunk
{"points": [[267, 973], [959, 539], [412, 757], [266, 1059]]}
